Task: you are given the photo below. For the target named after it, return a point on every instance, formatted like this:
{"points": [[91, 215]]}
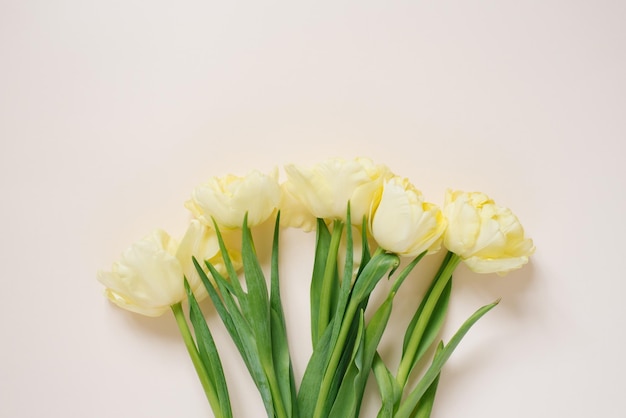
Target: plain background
{"points": [[111, 112]]}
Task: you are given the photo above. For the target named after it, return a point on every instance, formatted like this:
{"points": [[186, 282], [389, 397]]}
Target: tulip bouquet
{"points": [[366, 219]]}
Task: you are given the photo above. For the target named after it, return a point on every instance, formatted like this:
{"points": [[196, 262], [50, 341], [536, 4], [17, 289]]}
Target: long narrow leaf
{"points": [[365, 247], [345, 403], [322, 245], [425, 405], [407, 407], [256, 296], [313, 375], [413, 322], [208, 353], [434, 325], [240, 332], [330, 285], [364, 284], [230, 268], [390, 391], [280, 345], [349, 398]]}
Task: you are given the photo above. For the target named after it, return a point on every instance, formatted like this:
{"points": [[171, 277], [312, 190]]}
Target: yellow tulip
{"points": [[325, 189], [488, 237], [228, 198], [148, 279], [403, 223]]}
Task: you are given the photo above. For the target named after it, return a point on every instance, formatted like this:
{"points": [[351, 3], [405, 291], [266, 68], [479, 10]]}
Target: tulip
{"points": [[403, 223], [487, 237], [325, 189], [227, 199], [148, 279]]}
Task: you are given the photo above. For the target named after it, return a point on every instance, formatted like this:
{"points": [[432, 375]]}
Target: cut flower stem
{"points": [[192, 349], [450, 262]]}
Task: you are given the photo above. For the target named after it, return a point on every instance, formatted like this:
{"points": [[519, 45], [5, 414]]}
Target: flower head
{"points": [[402, 222], [325, 189], [148, 279], [227, 199], [488, 237]]}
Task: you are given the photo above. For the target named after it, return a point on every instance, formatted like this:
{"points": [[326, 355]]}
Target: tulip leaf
{"points": [[389, 388], [239, 331], [425, 405], [217, 301], [313, 375], [256, 296], [365, 248], [322, 247], [435, 322], [280, 345], [371, 274], [409, 404], [350, 349], [342, 340], [345, 403], [428, 319], [208, 353], [417, 314], [230, 268], [329, 283], [350, 396]]}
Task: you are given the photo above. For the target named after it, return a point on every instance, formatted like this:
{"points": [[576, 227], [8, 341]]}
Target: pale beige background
{"points": [[112, 111]]}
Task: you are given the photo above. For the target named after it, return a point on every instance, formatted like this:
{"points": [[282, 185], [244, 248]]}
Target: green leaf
{"points": [[411, 326], [414, 337], [240, 332], [365, 248], [346, 404], [230, 268], [425, 405], [390, 391], [313, 375], [329, 283], [434, 325], [280, 345], [364, 284], [256, 295], [407, 407], [322, 247], [349, 398], [371, 275], [208, 353]]}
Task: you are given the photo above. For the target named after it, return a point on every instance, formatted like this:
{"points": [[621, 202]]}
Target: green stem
{"points": [[279, 407], [407, 362], [329, 276], [205, 380], [329, 374]]}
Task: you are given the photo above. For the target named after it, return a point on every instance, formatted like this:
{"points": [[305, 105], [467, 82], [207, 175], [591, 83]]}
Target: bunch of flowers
{"points": [[380, 218]]}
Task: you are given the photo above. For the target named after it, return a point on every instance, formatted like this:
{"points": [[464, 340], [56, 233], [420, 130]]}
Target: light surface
{"points": [[111, 112]]}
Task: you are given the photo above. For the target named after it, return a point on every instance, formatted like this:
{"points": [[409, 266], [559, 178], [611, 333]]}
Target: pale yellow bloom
{"points": [[228, 198], [489, 238], [201, 242], [403, 223], [325, 189], [148, 279], [293, 213]]}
